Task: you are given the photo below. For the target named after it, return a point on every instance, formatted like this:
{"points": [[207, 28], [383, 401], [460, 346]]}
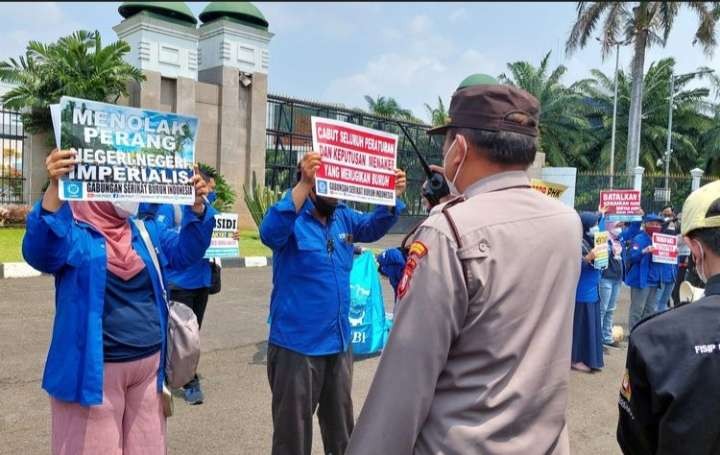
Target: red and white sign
{"points": [[358, 164], [665, 247], [622, 205]]}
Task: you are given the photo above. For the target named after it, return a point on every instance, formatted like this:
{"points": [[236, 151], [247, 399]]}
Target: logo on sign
{"points": [[73, 190], [322, 187]]}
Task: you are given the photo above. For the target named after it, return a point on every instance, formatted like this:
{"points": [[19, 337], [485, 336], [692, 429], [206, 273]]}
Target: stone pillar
{"points": [[638, 178], [185, 97], [149, 95], [233, 113], [696, 176], [257, 128], [535, 169], [38, 148]]}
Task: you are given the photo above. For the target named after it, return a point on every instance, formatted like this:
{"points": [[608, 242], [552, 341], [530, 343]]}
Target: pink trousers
{"points": [[130, 420]]}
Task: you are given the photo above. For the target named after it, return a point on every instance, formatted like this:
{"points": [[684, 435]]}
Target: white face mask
{"points": [[701, 268], [451, 183], [616, 232], [126, 209]]}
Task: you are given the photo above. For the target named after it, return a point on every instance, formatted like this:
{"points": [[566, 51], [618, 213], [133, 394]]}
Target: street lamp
{"points": [[668, 150], [617, 45]]}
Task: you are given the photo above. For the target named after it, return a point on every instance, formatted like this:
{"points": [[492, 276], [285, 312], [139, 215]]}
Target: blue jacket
{"points": [[617, 267], [391, 263], [74, 253], [661, 273], [195, 276], [310, 299], [638, 264], [588, 283]]}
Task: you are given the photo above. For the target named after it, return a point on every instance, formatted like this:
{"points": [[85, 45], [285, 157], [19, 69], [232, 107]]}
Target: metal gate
{"points": [[12, 147], [289, 136]]}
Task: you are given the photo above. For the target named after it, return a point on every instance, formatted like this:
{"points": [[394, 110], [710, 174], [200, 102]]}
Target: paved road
{"points": [[235, 418]]}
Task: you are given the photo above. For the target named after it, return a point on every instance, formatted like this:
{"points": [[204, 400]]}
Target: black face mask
{"points": [[323, 207]]}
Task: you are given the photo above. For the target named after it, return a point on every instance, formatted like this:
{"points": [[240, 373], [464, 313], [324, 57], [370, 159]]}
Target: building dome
{"points": [[477, 79], [174, 10], [244, 12]]}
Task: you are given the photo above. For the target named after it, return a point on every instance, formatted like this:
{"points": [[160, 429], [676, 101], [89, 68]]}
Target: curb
{"points": [[23, 270], [17, 270]]}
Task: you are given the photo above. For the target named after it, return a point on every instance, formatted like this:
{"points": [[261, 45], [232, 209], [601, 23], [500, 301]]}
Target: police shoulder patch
{"points": [[416, 252]]}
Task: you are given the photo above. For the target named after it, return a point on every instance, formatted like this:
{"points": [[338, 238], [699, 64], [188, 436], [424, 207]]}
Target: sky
{"points": [[413, 52]]}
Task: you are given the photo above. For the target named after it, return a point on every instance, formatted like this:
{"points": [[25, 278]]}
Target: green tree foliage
{"points": [[690, 119], [641, 24], [438, 115], [259, 199], [226, 196], [77, 65], [564, 127], [388, 107]]}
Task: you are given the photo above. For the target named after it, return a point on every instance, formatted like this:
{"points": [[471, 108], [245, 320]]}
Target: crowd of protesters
{"points": [[479, 357]]}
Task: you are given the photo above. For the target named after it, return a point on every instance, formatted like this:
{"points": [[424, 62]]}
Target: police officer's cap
{"points": [[483, 104]]}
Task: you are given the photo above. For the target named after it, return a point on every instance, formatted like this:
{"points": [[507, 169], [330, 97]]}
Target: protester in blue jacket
{"points": [[309, 360], [190, 285], [642, 290], [391, 263], [663, 276], [105, 367], [612, 277], [587, 353]]}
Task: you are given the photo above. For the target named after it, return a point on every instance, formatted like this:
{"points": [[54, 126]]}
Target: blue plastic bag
{"points": [[367, 309]]}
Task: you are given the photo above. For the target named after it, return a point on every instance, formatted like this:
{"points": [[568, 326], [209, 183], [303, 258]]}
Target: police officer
{"points": [[478, 357], [669, 398], [309, 362]]}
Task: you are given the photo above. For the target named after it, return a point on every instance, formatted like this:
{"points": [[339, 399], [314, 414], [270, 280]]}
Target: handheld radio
{"points": [[437, 187]]}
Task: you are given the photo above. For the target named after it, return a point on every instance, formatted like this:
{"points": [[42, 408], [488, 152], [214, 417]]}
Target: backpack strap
{"points": [[142, 229]]}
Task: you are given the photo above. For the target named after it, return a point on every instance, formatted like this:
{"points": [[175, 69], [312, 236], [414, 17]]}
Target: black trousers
{"points": [[300, 385], [196, 299]]}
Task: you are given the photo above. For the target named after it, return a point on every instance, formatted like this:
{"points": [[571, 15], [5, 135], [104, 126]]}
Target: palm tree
{"points": [[644, 24], [690, 120], [438, 115], [77, 65], [564, 128], [388, 107], [709, 141]]}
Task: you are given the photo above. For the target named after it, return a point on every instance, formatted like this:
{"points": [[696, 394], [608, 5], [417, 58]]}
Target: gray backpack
{"points": [[183, 337]]}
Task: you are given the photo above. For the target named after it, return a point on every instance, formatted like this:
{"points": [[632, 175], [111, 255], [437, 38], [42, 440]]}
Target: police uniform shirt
{"points": [[479, 355], [670, 394]]}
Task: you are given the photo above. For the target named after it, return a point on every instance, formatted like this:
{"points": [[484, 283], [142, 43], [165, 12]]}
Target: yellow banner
{"points": [[554, 190]]}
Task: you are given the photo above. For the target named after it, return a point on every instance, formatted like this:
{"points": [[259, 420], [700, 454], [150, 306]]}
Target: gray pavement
{"points": [[235, 418]]}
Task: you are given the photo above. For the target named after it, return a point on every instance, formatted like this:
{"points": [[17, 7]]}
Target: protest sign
{"points": [[124, 153], [358, 164], [554, 190], [602, 252], [665, 248], [222, 244], [622, 205]]}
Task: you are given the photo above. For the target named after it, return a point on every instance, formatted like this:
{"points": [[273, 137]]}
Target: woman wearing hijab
{"points": [[587, 352], [105, 367]]}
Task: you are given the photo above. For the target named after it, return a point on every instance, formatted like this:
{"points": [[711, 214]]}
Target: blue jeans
{"points": [[642, 304], [663, 296], [609, 291]]}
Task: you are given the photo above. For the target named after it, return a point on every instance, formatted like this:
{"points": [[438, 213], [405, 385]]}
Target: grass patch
{"points": [[250, 244], [11, 238]]}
